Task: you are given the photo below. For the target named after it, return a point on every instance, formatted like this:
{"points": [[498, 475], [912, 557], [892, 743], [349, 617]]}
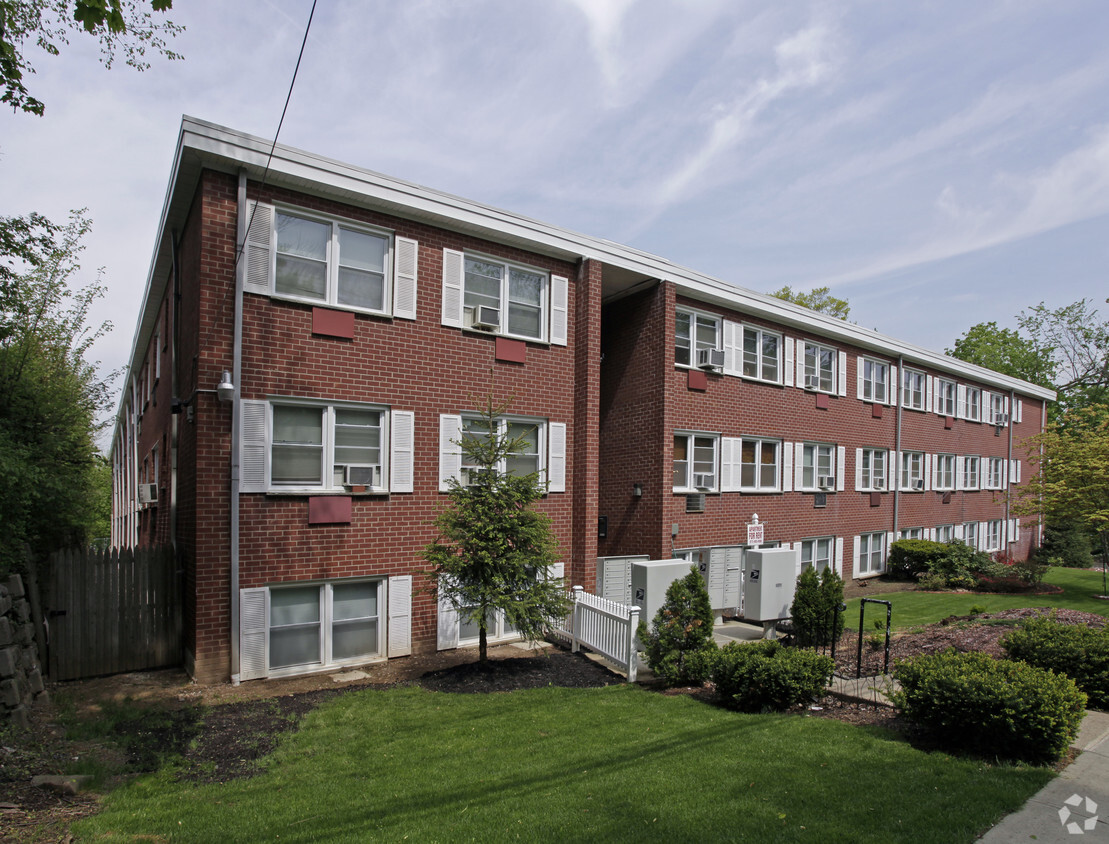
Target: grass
{"points": [[917, 609], [612, 764]]}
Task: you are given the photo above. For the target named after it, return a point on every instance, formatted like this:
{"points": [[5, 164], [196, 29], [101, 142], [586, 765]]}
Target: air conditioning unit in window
{"points": [[710, 358], [918, 484], [1001, 419], [148, 493], [481, 318], [362, 476], [703, 481], [812, 382], [826, 481]]}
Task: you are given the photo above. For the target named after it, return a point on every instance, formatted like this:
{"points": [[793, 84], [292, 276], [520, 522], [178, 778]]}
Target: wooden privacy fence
{"points": [[112, 611], [605, 627]]}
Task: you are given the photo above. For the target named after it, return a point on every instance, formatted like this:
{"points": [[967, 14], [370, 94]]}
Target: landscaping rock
{"points": [[9, 661], [15, 586], [61, 785]]}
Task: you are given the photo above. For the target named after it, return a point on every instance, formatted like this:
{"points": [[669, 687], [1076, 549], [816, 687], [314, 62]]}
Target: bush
{"points": [[1080, 652], [815, 622], [766, 675], [1066, 544], [1002, 708], [680, 632], [1030, 572], [911, 558], [938, 565]]}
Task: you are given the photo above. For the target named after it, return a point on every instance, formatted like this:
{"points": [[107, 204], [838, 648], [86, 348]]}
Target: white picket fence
{"points": [[605, 627]]}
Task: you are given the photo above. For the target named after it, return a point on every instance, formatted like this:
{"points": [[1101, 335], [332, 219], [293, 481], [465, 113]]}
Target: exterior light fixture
{"points": [[637, 490], [225, 390]]}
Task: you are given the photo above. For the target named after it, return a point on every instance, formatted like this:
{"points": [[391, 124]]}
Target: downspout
{"points": [[236, 379], [895, 475], [1009, 468]]}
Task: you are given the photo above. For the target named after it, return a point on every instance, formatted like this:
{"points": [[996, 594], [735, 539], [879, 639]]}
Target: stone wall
{"points": [[20, 669]]}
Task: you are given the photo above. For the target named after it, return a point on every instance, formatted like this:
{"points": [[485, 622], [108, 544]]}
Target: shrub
{"points": [[953, 565], [1066, 544], [1080, 652], [680, 631], [1030, 572], [815, 622], [766, 675], [931, 582], [911, 558], [1000, 708]]}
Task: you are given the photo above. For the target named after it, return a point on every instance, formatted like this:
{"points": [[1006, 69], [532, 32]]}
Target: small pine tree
{"points": [[813, 608], [680, 637]]}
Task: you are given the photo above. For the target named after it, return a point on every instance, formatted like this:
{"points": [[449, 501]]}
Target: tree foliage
{"points": [[679, 639], [123, 27], [815, 621], [1006, 351], [494, 550], [818, 299], [50, 396]]}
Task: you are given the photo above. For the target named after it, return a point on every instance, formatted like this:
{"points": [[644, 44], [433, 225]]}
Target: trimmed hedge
{"points": [[997, 708], [940, 564], [766, 675], [1080, 652], [813, 610]]}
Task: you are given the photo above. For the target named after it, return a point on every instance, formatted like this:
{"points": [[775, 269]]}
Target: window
{"points": [[974, 404], [912, 471], [325, 624], [526, 459], [945, 533], [912, 533], [326, 261], [872, 469], [694, 462], [818, 466], [873, 380], [313, 447], [496, 627], [820, 368], [997, 409], [693, 332], [993, 535], [970, 472], [912, 389], [517, 293], [945, 397], [761, 354], [944, 470], [970, 534], [817, 553], [996, 479], [758, 468], [872, 554]]}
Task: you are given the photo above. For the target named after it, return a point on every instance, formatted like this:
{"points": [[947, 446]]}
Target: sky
{"points": [[938, 164]]}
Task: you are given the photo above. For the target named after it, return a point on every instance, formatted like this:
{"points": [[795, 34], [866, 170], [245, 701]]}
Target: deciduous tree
{"points": [[818, 299]]}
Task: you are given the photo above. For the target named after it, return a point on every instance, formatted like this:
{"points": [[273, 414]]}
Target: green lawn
{"points": [[916, 609], [613, 764]]}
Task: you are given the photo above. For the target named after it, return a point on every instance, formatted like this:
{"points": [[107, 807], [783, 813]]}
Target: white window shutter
{"points": [[453, 262], [556, 571], [447, 621], [799, 466], [556, 457], [927, 469], [987, 406], [800, 382], [787, 369], [733, 348], [729, 464], [837, 561], [1018, 471], [983, 535], [961, 401], [960, 467], [450, 451], [253, 437], [400, 615], [560, 310], [1004, 474], [405, 271], [842, 374], [935, 471], [1020, 410], [1016, 530], [1008, 412], [858, 468], [891, 393], [929, 392], [856, 548], [787, 467], [253, 633], [402, 451], [960, 532], [261, 243], [859, 376]]}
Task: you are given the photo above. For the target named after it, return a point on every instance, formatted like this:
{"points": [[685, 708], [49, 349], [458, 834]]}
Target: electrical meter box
{"points": [[650, 580], [769, 582]]}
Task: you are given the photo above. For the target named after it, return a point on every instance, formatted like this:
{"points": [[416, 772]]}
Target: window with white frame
{"points": [[818, 553], [946, 392], [761, 354], [695, 461], [996, 478], [970, 472], [525, 458], [818, 466], [993, 535], [970, 534], [759, 463], [517, 293], [327, 446], [974, 404], [912, 471], [944, 471], [323, 624], [875, 381], [820, 368], [997, 409], [694, 331], [872, 469], [497, 626], [911, 533], [872, 554], [912, 389], [945, 533]]}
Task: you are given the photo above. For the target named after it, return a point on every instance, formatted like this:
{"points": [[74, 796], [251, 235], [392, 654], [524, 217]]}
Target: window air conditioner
{"points": [[1001, 419], [812, 382], [703, 481], [148, 493], [918, 484], [826, 482], [362, 476], [482, 318], [710, 358]]}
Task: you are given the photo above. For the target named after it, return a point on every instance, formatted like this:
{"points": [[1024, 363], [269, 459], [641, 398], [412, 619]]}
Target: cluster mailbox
{"points": [[769, 583]]}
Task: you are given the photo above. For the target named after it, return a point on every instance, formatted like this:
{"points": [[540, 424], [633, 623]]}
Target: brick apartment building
{"points": [[311, 346]]}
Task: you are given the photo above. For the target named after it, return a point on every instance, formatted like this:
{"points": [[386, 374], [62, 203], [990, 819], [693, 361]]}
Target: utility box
{"points": [[650, 580], [614, 577], [769, 583]]}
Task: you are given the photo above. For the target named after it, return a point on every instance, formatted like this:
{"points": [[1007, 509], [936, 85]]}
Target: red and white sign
{"points": [[755, 534]]}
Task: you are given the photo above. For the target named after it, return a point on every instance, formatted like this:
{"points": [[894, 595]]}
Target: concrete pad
{"points": [[736, 631], [349, 676]]}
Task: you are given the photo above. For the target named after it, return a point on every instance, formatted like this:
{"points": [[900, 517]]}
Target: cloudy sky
{"points": [[939, 164]]}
